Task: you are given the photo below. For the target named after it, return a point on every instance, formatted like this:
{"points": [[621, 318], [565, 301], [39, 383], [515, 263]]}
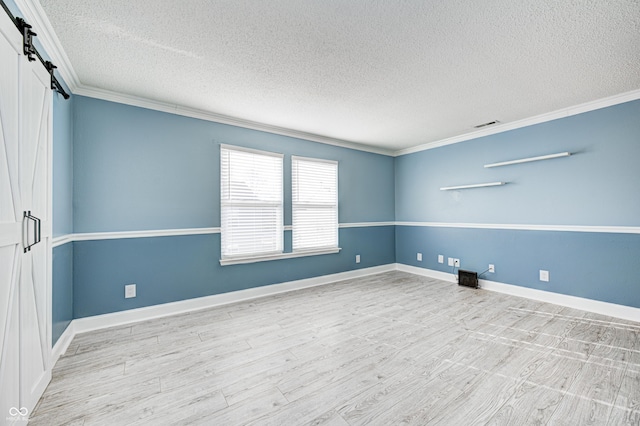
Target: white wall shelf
{"points": [[528, 160], [475, 185]]}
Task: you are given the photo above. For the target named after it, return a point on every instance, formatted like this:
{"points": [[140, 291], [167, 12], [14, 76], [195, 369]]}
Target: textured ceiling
{"points": [[390, 74]]}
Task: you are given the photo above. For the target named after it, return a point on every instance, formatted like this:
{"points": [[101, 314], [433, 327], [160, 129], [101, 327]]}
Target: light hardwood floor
{"points": [[392, 348]]}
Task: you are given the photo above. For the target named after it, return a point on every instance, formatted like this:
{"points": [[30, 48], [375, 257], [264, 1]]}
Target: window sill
{"points": [[254, 259]]}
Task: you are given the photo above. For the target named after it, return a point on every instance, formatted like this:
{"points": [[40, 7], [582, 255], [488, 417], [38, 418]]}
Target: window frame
{"points": [[262, 257], [248, 257], [319, 249]]}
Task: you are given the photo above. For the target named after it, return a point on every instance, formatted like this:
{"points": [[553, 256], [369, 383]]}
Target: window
{"points": [[315, 203], [251, 202]]}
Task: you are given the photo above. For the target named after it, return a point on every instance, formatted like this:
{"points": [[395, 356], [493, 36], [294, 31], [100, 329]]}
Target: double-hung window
{"points": [[251, 202], [314, 203]]}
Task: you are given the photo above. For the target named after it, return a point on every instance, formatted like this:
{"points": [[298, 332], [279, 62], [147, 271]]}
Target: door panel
{"points": [[35, 118], [9, 92], [25, 185], [34, 372], [10, 217], [34, 189], [10, 354]]}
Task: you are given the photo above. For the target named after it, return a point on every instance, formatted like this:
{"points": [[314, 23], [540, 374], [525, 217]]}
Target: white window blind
{"points": [[251, 202], [315, 203]]}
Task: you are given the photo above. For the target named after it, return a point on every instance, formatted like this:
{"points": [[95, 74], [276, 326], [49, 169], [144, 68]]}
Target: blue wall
{"points": [[168, 269], [62, 294], [62, 165], [62, 262], [598, 266], [598, 186], [138, 169], [62, 207]]}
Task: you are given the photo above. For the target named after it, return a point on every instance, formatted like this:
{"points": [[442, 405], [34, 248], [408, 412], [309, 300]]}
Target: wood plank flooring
{"points": [[392, 348]]}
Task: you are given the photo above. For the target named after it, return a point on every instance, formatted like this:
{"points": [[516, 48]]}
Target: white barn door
{"points": [[35, 312], [25, 186], [11, 255]]}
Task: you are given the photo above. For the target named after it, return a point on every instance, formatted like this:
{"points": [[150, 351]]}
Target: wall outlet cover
{"points": [[440, 258], [456, 263], [450, 261], [544, 275], [419, 257], [357, 258], [129, 291], [492, 268]]}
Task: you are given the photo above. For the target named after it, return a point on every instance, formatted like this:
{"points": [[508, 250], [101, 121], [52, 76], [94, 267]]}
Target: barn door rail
{"points": [[30, 50], [37, 230]]}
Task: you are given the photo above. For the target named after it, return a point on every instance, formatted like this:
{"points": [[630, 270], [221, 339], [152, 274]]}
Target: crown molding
{"points": [[121, 98], [107, 95], [525, 122]]}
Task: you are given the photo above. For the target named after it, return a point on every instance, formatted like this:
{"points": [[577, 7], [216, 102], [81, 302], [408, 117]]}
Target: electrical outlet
{"points": [[450, 261], [440, 258], [129, 291], [492, 268], [544, 275], [419, 256], [456, 263], [357, 258]]}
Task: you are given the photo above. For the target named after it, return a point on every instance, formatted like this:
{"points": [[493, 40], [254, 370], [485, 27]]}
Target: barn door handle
{"points": [[37, 230]]}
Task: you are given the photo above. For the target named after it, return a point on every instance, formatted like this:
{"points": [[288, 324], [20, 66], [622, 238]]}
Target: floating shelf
{"points": [[527, 160], [476, 185]]}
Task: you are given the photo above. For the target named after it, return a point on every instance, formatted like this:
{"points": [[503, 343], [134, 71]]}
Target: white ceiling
{"points": [[389, 74]]}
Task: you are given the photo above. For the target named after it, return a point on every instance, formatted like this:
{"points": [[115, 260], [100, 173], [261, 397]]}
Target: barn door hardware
{"points": [[55, 85], [27, 39], [37, 230], [29, 49]]}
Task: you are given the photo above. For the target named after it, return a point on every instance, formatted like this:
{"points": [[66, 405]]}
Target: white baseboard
{"points": [[96, 322], [444, 276], [589, 305], [63, 343]]}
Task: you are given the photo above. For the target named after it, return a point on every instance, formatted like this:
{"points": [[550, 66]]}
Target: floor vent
{"points": [[467, 278]]}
